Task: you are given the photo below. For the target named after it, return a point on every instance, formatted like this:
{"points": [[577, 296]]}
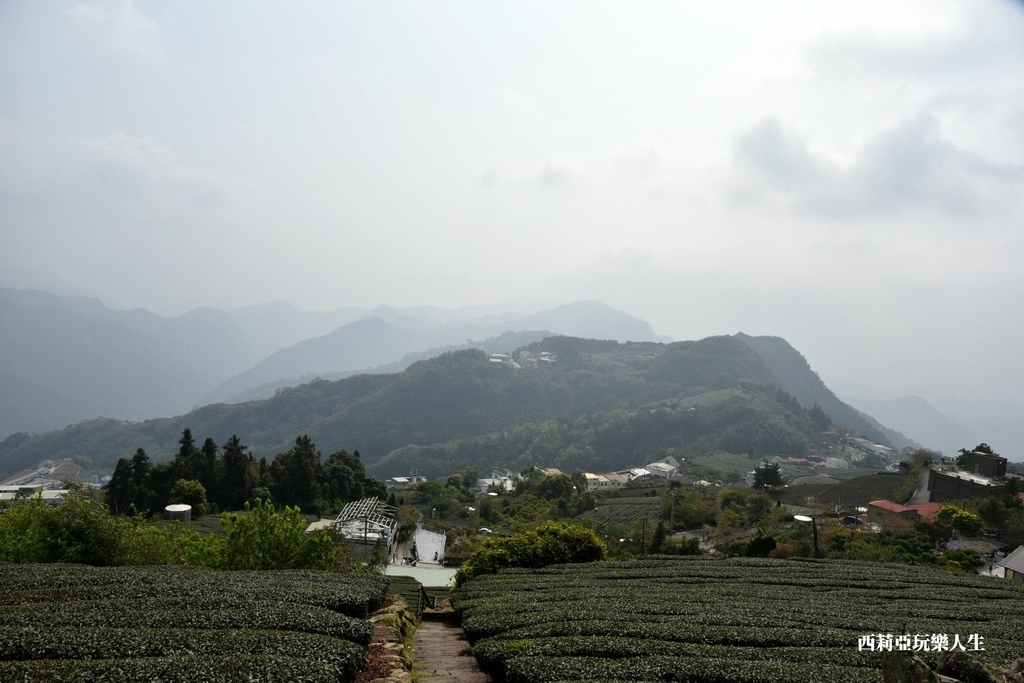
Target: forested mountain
{"points": [[503, 343], [391, 334], [792, 372], [601, 402], [67, 358]]}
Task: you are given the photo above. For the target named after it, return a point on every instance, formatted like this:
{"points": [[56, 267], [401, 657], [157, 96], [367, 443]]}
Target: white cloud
{"points": [[133, 152], [909, 167], [557, 172], [514, 101], [120, 25], [639, 159]]}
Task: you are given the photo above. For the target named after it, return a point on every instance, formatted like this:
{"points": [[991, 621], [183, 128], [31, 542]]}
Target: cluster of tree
{"points": [[226, 479], [687, 508], [742, 509], [907, 546], [84, 531]]}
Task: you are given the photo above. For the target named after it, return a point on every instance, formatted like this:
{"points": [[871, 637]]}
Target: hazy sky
{"points": [[848, 176]]}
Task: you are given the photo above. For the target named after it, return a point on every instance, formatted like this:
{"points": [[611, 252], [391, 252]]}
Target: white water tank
{"points": [[180, 512]]}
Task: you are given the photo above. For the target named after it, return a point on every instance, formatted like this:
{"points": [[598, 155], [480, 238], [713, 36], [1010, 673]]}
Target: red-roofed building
{"points": [[887, 510], [927, 510]]}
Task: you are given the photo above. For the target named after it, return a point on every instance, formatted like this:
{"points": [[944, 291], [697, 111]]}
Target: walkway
{"points": [[922, 493], [441, 652]]}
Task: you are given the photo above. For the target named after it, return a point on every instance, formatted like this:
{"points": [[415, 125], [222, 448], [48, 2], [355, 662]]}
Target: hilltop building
{"points": [[982, 474], [12, 495], [500, 479]]}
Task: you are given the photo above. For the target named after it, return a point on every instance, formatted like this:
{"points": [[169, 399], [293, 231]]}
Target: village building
{"points": [[982, 474], [1013, 565]]}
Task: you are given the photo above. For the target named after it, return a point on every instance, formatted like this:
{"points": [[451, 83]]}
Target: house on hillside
{"points": [[500, 480], [409, 482], [926, 511], [622, 477], [548, 471], [1013, 564], [664, 468], [887, 511], [983, 474], [11, 495], [599, 482], [985, 464]]}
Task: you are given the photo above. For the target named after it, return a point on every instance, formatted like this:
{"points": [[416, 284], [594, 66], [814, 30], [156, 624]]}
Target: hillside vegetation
{"points": [[738, 620], [64, 622], [601, 404]]}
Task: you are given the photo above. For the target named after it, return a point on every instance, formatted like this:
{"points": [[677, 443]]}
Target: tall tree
{"points": [[131, 484], [121, 490], [296, 474], [767, 474], [343, 476], [209, 465], [188, 460], [240, 476]]}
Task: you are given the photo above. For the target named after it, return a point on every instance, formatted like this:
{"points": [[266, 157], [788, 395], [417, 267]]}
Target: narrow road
{"points": [[441, 652], [922, 493]]}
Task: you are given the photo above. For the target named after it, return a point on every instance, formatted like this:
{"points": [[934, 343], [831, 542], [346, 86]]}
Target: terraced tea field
{"points": [[181, 624], [739, 620], [625, 511]]}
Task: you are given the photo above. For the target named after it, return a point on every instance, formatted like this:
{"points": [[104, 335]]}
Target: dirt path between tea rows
{"points": [[441, 651]]}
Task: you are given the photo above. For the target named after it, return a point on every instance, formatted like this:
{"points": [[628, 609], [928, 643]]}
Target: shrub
{"points": [[549, 543]]}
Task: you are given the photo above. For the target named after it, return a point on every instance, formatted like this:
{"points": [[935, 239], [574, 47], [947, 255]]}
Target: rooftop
{"points": [[968, 476], [1014, 560]]}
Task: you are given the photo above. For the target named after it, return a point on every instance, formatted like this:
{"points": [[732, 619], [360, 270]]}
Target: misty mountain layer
{"points": [[462, 408]]}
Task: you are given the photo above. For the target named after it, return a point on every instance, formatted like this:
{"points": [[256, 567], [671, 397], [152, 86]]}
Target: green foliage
{"points": [[601, 405], [819, 417], [738, 620], [966, 523], [183, 624], [84, 531], [552, 487], [296, 474], [81, 530], [549, 543], [767, 474], [760, 546], [190, 492], [266, 539]]}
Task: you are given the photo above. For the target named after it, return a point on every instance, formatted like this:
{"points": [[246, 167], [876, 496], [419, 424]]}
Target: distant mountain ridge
{"points": [[601, 402], [794, 374], [64, 359], [372, 341]]}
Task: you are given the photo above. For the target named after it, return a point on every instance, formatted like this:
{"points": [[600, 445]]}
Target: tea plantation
{"points": [[181, 624], [739, 620]]}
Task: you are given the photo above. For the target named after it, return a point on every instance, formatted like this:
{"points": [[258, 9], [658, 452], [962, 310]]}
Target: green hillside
{"points": [[600, 404], [736, 620]]}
